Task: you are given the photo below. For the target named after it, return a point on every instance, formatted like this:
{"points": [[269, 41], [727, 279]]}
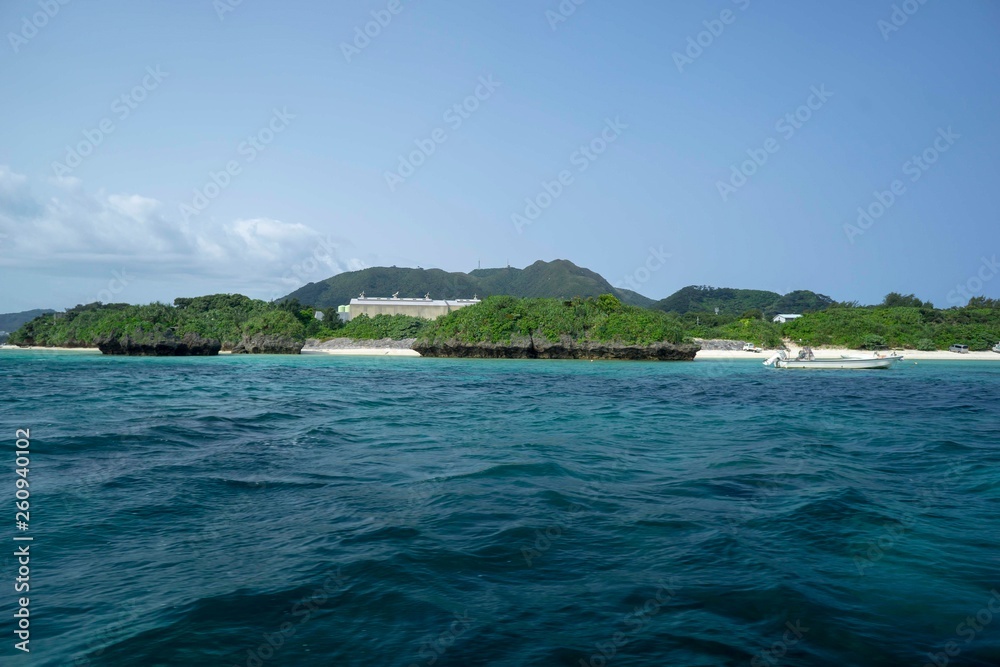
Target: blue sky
{"points": [[312, 197]]}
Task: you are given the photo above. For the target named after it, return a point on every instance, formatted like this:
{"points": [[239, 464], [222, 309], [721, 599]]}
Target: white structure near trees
{"points": [[426, 307], [785, 317]]}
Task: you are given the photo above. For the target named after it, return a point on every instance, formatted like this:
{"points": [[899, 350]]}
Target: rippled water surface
{"points": [[392, 511]]}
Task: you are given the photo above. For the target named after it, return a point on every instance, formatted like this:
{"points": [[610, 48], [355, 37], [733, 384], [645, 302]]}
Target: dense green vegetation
{"points": [[556, 279], [225, 317], [396, 327], [601, 319], [900, 321], [748, 327], [701, 299], [920, 327]]}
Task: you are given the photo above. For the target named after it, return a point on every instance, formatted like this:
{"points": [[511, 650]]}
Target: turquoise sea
{"points": [[324, 510]]}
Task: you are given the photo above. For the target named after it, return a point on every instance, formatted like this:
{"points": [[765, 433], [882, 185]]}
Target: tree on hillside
{"points": [[897, 300], [800, 301], [983, 302]]}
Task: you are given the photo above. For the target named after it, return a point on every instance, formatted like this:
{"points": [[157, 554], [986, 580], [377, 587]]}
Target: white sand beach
{"points": [[385, 347], [363, 352]]}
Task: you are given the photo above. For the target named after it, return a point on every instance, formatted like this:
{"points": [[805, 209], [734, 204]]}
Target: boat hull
{"points": [[855, 364]]}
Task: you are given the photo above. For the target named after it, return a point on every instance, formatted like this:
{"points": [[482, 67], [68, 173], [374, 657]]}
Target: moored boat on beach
{"points": [[807, 360]]}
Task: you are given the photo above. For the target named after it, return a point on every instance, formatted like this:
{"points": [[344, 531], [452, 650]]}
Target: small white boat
{"points": [[807, 360]]}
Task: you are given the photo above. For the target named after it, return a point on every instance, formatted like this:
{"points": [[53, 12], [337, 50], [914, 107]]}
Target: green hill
{"points": [[11, 322], [730, 301], [556, 279], [385, 281]]}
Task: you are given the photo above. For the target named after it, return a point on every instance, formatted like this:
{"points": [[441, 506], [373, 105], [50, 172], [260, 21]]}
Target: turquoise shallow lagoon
{"points": [[392, 511]]}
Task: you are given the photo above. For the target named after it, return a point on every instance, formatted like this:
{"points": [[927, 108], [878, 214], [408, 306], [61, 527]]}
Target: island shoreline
{"points": [[701, 355]]}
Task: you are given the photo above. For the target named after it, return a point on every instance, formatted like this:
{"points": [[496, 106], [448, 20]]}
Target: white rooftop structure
{"points": [[426, 307], [785, 317], [403, 301]]}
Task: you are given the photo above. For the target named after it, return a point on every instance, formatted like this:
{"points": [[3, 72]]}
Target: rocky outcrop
{"points": [[565, 348], [518, 348], [720, 344], [268, 344], [159, 344], [726, 345]]}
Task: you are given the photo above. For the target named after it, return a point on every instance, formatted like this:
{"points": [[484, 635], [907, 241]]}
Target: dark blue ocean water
{"points": [[391, 511]]}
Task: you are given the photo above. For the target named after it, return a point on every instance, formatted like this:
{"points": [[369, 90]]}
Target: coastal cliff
{"points": [[268, 344], [531, 347], [159, 344]]}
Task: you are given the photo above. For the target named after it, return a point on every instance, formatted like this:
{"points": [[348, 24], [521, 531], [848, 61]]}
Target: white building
{"points": [[427, 308], [785, 317]]}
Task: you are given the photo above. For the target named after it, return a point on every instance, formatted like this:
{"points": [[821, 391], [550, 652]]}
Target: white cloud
{"points": [[77, 233], [9, 181]]}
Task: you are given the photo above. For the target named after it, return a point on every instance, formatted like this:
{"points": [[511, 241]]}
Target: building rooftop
{"points": [[393, 300]]}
